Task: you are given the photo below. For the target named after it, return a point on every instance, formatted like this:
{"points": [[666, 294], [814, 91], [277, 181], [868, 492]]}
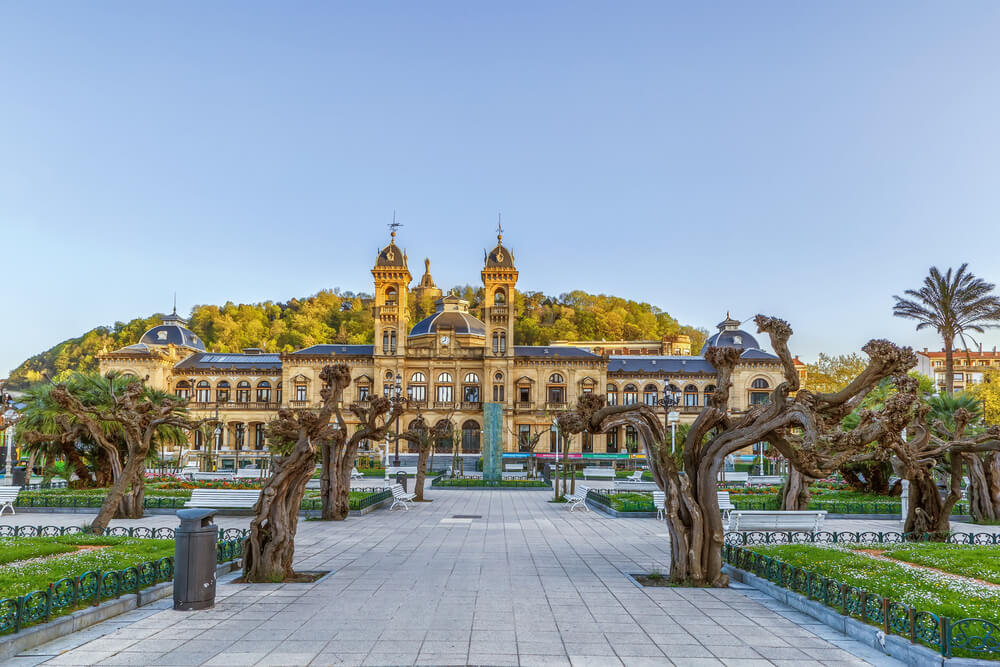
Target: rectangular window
{"points": [[552, 441], [612, 398], [524, 394], [557, 395], [471, 393], [242, 395], [587, 442], [202, 396], [417, 392], [363, 392], [300, 392], [759, 398], [691, 400], [498, 393], [263, 395], [445, 393], [183, 393]]}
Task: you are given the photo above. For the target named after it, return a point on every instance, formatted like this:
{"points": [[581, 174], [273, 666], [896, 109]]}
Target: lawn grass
{"points": [[120, 553], [12, 549], [978, 562], [923, 589]]}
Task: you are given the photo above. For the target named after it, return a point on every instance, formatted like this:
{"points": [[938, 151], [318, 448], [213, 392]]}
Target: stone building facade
{"points": [[447, 365]]}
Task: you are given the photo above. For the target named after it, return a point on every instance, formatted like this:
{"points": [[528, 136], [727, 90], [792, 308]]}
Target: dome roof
{"points": [[730, 335], [453, 315], [499, 257], [391, 255], [173, 331]]}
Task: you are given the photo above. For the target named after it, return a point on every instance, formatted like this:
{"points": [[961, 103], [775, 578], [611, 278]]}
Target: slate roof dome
{"points": [[499, 257], [391, 255], [730, 335], [173, 331], [452, 314]]}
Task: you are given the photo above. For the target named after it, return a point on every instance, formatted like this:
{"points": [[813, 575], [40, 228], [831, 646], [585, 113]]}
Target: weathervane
{"points": [[499, 228], [394, 225]]}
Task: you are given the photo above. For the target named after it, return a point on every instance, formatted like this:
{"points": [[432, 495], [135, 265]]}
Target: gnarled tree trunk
{"points": [[984, 486], [795, 492]]}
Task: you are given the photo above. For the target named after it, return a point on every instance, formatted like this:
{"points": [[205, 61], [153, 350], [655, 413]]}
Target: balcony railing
{"points": [[234, 405], [299, 404], [443, 405], [472, 405], [555, 405], [523, 406]]}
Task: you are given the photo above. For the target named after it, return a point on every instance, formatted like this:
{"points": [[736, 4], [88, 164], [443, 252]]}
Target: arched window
{"points": [[631, 439], [263, 391], [500, 297], [690, 396], [242, 391], [415, 425], [470, 437], [630, 395], [222, 392], [760, 397], [556, 389], [442, 445], [470, 388], [445, 390], [417, 390], [183, 389], [709, 390], [760, 383], [649, 394], [390, 296], [203, 392], [612, 394]]}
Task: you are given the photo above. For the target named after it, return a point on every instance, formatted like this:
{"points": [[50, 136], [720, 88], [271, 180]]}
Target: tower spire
{"points": [[499, 229], [394, 226]]}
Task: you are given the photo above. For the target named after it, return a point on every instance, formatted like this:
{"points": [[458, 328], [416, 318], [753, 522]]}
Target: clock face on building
{"points": [[445, 340]]}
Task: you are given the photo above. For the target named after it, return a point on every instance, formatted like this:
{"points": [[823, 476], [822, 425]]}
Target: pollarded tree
{"points": [[527, 442], [805, 429], [423, 439]]}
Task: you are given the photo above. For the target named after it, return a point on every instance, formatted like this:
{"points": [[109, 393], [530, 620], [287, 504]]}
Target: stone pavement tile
{"points": [[284, 659], [444, 647], [236, 659], [385, 659], [181, 658], [349, 646], [544, 661], [593, 661], [637, 649], [403, 634], [828, 654], [449, 635], [493, 659], [79, 657], [493, 635], [746, 662], [397, 646], [781, 653], [591, 649], [130, 658], [442, 659], [29, 661], [696, 662], [328, 658], [674, 651]]}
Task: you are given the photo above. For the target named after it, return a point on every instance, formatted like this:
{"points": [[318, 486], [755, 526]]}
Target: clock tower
{"points": [[499, 279], [389, 309]]}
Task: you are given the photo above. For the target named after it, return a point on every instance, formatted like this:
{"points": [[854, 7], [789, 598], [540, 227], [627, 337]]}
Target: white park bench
{"points": [[401, 497], [210, 476], [765, 480], [725, 504], [807, 520], [8, 494], [514, 467], [630, 485], [578, 498], [634, 477], [231, 498], [735, 477], [411, 471], [250, 473], [660, 503], [355, 474], [598, 473]]}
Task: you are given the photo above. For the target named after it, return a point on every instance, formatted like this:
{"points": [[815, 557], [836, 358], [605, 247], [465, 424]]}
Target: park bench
{"points": [[806, 520], [401, 497], [210, 476], [514, 467], [735, 477], [409, 470], [355, 474], [765, 480], [230, 498], [725, 504], [634, 477], [660, 503], [630, 485], [250, 473], [8, 494], [578, 498], [598, 473]]}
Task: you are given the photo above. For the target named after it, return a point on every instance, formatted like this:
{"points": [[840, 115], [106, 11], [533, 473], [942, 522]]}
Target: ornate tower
{"points": [[499, 279], [392, 286]]}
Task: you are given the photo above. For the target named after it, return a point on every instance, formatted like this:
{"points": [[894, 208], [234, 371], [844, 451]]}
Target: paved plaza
{"points": [[521, 582]]}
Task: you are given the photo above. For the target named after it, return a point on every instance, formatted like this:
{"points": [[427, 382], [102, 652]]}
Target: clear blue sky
{"points": [[801, 159]]}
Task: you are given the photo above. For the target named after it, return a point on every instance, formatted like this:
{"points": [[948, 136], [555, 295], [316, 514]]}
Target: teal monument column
{"points": [[492, 441]]}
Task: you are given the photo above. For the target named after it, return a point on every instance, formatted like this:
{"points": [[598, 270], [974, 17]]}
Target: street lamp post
{"points": [[396, 400], [10, 417], [670, 417]]}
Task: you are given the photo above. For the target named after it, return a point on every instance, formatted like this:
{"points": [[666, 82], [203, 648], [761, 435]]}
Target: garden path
{"points": [[528, 583]]}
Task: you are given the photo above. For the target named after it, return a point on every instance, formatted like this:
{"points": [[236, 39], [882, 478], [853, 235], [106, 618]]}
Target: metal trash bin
{"points": [[195, 545], [401, 479], [19, 476]]}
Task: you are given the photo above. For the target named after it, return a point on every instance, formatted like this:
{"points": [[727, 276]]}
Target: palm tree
{"points": [[952, 304]]}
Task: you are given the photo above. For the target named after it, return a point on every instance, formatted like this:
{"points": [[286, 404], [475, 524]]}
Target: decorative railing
{"points": [[94, 586], [848, 537], [299, 404], [444, 404], [523, 405], [773, 502], [164, 502], [975, 636]]}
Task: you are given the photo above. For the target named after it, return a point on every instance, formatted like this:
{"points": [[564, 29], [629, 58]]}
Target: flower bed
{"points": [[36, 591], [93, 498], [954, 616]]}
